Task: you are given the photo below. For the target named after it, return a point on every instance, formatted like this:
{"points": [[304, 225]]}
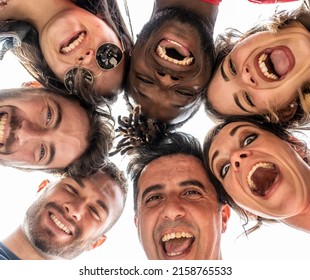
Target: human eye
{"points": [[185, 93], [145, 80], [153, 198], [42, 152], [248, 99], [49, 115], [232, 67], [249, 139], [224, 170], [95, 213], [192, 193], [71, 189]]}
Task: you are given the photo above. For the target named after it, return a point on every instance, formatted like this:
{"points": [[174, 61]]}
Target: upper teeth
{"points": [[174, 235], [75, 43], [60, 225], [3, 121], [264, 69], [260, 164], [161, 51]]}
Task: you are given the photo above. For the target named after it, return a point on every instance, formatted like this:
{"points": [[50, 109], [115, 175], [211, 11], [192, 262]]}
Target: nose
{"points": [[173, 210], [86, 58], [28, 132], [247, 77], [165, 79], [238, 157], [74, 209]]}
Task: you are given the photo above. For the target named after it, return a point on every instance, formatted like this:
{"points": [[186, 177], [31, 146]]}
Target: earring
{"points": [[292, 105]]}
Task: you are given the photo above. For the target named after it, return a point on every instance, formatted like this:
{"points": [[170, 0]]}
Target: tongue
{"points": [[263, 178], [280, 62], [177, 245]]}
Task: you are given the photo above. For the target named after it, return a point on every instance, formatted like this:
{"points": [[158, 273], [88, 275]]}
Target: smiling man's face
{"points": [[178, 214]]}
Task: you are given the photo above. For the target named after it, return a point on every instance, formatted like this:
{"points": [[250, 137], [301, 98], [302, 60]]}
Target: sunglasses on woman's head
{"points": [[108, 56]]}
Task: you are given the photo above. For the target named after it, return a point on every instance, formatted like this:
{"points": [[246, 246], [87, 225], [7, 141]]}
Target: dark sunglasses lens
{"points": [[71, 76], [108, 56]]}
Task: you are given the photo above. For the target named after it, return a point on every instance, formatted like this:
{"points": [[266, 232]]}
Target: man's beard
{"points": [[42, 239]]}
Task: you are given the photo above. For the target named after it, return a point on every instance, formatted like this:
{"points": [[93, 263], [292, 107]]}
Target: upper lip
{"points": [[72, 38]]}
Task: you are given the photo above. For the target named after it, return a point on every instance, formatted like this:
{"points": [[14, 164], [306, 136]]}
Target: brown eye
{"points": [[145, 81]]}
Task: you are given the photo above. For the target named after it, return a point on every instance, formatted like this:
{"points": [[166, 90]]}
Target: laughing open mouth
{"points": [[274, 63], [73, 43], [174, 52], [261, 178], [3, 121], [175, 244]]}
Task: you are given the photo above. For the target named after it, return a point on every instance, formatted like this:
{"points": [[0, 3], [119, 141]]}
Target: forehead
{"points": [[171, 168]]}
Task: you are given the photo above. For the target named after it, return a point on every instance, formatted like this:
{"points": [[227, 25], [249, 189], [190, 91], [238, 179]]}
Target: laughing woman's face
{"points": [[262, 73], [261, 172]]}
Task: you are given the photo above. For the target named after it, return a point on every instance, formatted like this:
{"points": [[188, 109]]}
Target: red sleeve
{"points": [[214, 2], [270, 1]]}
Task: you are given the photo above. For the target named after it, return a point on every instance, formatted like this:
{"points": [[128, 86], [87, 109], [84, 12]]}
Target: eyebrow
{"points": [[81, 184], [59, 115], [237, 101], [192, 183], [225, 77]]}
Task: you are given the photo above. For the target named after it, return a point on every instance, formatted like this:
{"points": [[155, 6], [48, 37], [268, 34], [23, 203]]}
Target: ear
{"points": [[288, 113], [225, 211], [136, 221], [97, 243], [299, 147], [33, 84], [43, 185]]}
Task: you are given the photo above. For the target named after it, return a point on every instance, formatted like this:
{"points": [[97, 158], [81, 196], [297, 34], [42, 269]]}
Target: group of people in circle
{"points": [[82, 56]]}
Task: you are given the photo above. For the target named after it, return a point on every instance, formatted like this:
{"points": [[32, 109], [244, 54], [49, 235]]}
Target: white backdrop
{"points": [[18, 189]]}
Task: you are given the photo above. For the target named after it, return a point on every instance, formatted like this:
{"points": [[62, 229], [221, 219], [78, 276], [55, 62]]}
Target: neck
{"points": [[19, 244], [301, 220], [36, 12]]}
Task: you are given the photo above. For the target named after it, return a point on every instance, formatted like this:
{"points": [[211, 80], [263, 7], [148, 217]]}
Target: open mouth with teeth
{"points": [[73, 43], [3, 121], [274, 64], [175, 244], [262, 177], [174, 52], [59, 224]]}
